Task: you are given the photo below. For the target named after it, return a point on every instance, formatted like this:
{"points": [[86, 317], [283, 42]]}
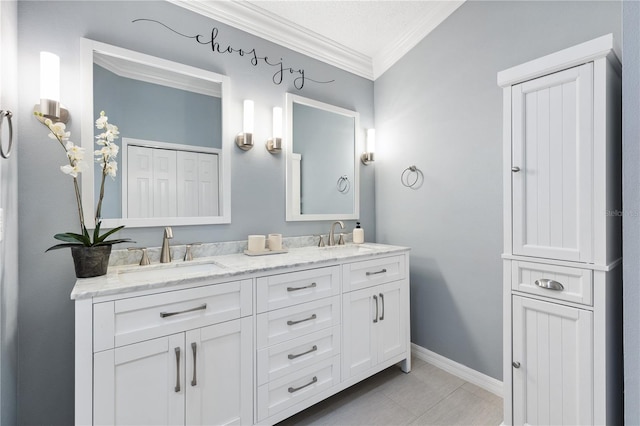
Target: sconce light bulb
{"points": [[49, 76], [371, 141], [277, 122], [247, 125]]}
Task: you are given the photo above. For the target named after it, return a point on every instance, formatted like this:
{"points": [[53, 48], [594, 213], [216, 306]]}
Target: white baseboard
{"points": [[462, 371]]}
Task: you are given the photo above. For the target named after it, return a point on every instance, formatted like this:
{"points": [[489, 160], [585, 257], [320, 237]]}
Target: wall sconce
{"points": [[49, 105], [274, 144], [370, 147], [244, 140]]}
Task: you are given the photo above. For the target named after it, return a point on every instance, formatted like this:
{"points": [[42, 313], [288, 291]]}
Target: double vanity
{"points": [[236, 339]]}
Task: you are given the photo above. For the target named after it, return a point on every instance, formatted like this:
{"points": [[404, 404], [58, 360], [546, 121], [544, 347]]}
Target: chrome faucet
{"points": [[165, 254], [332, 240]]}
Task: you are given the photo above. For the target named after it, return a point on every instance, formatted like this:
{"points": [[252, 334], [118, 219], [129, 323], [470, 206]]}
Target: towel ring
{"points": [[8, 115], [411, 176], [343, 184]]}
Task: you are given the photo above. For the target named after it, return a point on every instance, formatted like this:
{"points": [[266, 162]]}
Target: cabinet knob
{"points": [[515, 169], [515, 364]]}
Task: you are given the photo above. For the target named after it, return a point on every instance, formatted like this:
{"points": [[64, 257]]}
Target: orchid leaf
{"points": [[70, 237], [106, 234], [96, 233], [112, 242], [59, 246]]}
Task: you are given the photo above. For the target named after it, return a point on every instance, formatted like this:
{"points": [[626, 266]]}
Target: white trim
{"points": [[582, 53], [462, 371], [163, 77], [259, 22]]}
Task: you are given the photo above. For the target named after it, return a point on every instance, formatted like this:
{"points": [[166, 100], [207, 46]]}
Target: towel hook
{"points": [[8, 115]]}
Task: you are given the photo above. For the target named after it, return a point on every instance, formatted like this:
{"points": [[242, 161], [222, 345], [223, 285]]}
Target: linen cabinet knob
{"points": [[515, 364]]}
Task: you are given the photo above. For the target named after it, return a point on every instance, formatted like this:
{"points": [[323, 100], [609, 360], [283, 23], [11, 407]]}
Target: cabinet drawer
{"points": [[576, 284], [364, 274], [285, 358], [280, 394], [135, 319], [279, 291], [288, 323]]}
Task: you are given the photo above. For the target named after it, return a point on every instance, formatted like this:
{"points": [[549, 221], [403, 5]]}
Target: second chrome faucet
{"points": [[165, 254]]}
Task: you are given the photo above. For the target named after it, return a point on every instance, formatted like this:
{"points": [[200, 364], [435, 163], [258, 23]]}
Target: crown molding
{"points": [[261, 23], [150, 74], [264, 24], [392, 53]]}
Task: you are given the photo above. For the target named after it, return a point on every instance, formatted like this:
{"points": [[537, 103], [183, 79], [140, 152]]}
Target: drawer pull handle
{"points": [[312, 317], [549, 284], [382, 301], [515, 364], [375, 318], [314, 380], [177, 388], [170, 314], [313, 349], [312, 285], [194, 348], [381, 271]]}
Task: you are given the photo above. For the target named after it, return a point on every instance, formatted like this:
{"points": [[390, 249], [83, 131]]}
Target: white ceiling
{"points": [[364, 37]]}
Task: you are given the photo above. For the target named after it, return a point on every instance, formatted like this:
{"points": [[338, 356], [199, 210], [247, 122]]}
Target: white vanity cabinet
{"points": [[562, 238], [268, 338], [174, 357], [375, 325]]}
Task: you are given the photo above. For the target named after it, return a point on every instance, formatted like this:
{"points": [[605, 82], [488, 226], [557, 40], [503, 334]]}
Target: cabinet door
{"points": [[219, 374], [554, 381], [360, 339], [391, 327], [552, 147], [140, 384]]}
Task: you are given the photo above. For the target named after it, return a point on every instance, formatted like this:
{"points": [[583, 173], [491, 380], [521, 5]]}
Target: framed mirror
{"points": [[323, 174], [174, 159]]}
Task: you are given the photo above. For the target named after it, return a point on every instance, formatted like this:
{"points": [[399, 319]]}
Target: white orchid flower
{"points": [[111, 168], [58, 131], [109, 152], [74, 152], [101, 121], [71, 170]]}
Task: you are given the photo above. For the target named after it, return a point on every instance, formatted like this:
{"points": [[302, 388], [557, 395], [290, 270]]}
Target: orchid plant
{"points": [[106, 158]]}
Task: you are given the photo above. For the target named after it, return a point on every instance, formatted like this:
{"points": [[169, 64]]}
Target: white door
{"points": [[164, 183], [187, 182], [360, 339], [141, 384], [139, 181], [220, 374], [208, 184], [391, 327], [553, 364], [552, 165]]}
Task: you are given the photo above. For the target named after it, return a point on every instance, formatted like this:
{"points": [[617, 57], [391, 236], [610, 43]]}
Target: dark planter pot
{"points": [[91, 261]]}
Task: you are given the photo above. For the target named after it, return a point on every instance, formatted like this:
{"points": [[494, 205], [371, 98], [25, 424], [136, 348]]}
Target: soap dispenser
{"points": [[358, 234]]}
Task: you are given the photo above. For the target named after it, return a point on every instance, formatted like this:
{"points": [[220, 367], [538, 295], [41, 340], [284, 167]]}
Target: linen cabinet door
{"points": [[360, 337], [219, 374], [391, 325], [140, 384], [552, 364], [552, 150]]}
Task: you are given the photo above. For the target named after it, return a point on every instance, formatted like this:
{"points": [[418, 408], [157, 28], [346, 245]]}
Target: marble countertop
{"points": [[128, 278]]}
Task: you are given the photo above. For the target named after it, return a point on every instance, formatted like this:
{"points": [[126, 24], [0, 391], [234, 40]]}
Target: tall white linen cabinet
{"points": [[562, 238]]}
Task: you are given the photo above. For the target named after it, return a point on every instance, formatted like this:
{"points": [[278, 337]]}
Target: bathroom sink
{"points": [[348, 249], [169, 272]]}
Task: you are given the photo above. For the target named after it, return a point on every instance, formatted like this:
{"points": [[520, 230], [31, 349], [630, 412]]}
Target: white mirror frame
{"points": [[87, 130], [292, 201]]}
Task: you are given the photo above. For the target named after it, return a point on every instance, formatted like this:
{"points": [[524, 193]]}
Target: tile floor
{"points": [[426, 396]]}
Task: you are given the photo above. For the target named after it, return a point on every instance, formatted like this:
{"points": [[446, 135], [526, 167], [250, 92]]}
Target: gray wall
{"points": [[440, 108], [47, 201], [9, 202], [631, 202]]}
